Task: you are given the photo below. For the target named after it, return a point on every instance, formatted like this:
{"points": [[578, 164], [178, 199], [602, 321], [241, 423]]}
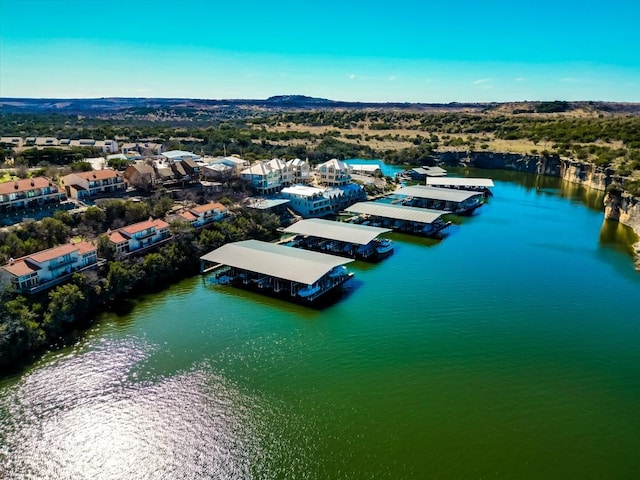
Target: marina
{"points": [[341, 238], [291, 273], [417, 221], [443, 361], [459, 202]]}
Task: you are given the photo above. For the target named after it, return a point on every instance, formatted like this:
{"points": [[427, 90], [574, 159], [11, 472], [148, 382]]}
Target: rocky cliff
{"points": [[619, 205], [573, 171], [624, 208]]}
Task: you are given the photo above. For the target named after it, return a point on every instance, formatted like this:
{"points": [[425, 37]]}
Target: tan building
{"points": [[334, 172], [90, 184], [140, 175]]}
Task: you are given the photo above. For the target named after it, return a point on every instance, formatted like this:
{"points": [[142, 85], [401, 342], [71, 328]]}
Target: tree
{"points": [[20, 329], [95, 217], [120, 279], [106, 249], [67, 303]]}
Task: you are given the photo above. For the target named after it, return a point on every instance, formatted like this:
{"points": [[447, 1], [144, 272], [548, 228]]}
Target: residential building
{"points": [[318, 202], [300, 170], [143, 148], [268, 177], [286, 172], [46, 142], [367, 169], [179, 155], [334, 172], [28, 193], [13, 142], [191, 167], [236, 163], [165, 174], [140, 175], [89, 184], [47, 268], [180, 172], [138, 236], [263, 178], [218, 171], [202, 215], [308, 201]]}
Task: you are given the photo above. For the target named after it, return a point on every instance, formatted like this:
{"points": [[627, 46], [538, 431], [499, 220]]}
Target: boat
{"points": [[383, 247]]}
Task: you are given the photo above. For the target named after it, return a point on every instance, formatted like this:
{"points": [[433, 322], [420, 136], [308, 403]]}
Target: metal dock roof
{"points": [[274, 260], [436, 193], [460, 182], [435, 171], [341, 231], [396, 212]]}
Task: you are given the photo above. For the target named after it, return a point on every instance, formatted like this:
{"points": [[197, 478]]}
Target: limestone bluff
{"points": [[619, 205]]}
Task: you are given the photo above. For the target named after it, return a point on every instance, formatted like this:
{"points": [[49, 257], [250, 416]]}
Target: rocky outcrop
{"points": [[587, 174], [573, 171], [624, 208]]}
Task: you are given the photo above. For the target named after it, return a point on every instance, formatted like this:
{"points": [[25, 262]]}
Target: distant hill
{"points": [[123, 106]]}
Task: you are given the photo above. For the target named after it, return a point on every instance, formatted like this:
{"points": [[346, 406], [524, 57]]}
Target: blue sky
{"points": [[414, 51]]}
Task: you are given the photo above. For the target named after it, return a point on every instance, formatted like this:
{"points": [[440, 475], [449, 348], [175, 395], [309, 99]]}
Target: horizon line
{"points": [[5, 98]]}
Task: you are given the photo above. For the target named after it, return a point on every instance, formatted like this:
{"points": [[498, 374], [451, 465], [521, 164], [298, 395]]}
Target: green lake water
{"points": [[510, 349]]}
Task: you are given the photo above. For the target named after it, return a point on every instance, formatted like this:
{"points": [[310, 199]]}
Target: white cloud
{"points": [[481, 80], [519, 79], [392, 78]]}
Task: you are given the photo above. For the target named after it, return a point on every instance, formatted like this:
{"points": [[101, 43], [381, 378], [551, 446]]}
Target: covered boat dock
{"points": [[454, 201], [292, 273], [474, 184], [401, 218], [341, 238]]}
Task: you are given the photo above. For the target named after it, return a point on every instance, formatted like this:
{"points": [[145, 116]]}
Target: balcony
{"points": [[61, 263], [144, 235]]}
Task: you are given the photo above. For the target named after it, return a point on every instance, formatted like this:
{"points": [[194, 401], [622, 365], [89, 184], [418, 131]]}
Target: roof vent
{"points": [[33, 183], [15, 185], [11, 261]]}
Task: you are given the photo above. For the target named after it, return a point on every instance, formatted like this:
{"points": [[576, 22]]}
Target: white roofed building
{"points": [[308, 201], [236, 163], [317, 202], [365, 169], [333, 172], [300, 170], [268, 177], [179, 155]]}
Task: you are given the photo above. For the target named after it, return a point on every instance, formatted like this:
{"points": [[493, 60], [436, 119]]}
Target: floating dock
{"points": [[459, 202], [341, 238], [291, 273], [419, 221]]}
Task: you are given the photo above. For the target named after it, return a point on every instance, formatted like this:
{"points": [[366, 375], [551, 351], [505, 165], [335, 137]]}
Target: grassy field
{"points": [[7, 177]]}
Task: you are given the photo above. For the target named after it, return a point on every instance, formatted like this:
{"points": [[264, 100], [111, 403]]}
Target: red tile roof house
{"points": [[89, 184], [28, 193], [47, 268], [139, 236], [202, 215]]}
